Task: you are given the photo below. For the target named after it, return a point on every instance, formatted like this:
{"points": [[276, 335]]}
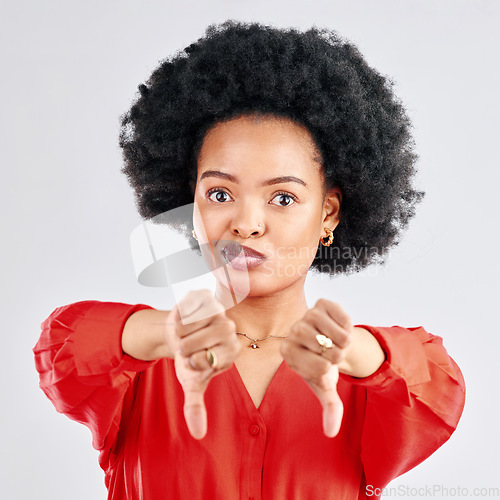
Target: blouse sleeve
{"points": [[83, 369], [413, 402]]}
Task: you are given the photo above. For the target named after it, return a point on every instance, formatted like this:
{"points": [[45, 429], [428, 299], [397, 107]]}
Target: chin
{"points": [[253, 284]]}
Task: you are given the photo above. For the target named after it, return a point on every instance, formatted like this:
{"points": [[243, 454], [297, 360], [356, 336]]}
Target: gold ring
{"points": [[325, 342], [212, 358]]}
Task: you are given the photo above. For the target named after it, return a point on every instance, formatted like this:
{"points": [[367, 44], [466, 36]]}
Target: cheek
{"points": [[296, 251], [305, 229], [214, 227], [206, 222]]}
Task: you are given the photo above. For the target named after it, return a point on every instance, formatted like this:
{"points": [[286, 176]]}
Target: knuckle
{"points": [[229, 325], [315, 378], [296, 329], [193, 406], [213, 307], [285, 347], [315, 313], [208, 296], [200, 293], [302, 335], [292, 364], [196, 361], [174, 329], [343, 339], [336, 356], [322, 367], [348, 340], [185, 347], [190, 298], [190, 361], [322, 302]]}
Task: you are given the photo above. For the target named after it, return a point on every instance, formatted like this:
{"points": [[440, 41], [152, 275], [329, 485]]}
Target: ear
{"points": [[331, 209]]}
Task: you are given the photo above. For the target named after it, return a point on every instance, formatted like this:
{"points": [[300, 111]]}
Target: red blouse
{"points": [[393, 419]]}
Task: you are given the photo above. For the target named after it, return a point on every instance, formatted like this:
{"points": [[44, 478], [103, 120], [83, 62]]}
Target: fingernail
{"points": [[187, 363]]}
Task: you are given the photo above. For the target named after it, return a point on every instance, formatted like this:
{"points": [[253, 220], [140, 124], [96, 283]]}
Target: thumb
{"points": [[193, 383], [333, 409], [195, 413]]}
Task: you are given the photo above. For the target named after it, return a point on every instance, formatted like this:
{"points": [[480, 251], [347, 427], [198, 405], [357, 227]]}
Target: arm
{"points": [[413, 393], [363, 355], [83, 369], [89, 353], [413, 402], [144, 335]]}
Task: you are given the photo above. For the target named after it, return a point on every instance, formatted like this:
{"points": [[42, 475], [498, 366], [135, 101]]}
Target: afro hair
{"points": [[314, 78]]}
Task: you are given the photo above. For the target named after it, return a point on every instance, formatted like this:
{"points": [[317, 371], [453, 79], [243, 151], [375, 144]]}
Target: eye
{"points": [[285, 199], [220, 195]]}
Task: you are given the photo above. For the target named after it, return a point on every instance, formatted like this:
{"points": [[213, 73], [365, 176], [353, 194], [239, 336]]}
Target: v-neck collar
{"points": [[278, 387]]}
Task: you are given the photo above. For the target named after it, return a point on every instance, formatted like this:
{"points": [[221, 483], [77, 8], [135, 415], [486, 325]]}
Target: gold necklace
{"points": [[253, 344]]}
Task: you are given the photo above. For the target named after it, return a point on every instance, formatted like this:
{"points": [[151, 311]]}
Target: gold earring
{"points": [[329, 236], [194, 235]]}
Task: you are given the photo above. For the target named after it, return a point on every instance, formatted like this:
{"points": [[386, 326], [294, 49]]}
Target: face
{"points": [[260, 184]]}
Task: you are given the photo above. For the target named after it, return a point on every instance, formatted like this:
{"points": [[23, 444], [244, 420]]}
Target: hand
{"points": [[199, 322], [302, 352]]}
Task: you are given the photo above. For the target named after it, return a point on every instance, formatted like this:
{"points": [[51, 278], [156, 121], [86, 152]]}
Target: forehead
{"points": [[253, 145]]}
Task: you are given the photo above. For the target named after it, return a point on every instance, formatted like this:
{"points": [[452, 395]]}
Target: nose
{"points": [[247, 225], [246, 234]]}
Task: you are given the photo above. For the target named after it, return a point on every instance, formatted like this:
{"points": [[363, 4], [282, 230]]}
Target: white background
{"points": [[69, 69]]}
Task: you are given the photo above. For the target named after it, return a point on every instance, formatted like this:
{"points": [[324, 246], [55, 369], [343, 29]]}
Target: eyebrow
{"points": [[269, 182]]}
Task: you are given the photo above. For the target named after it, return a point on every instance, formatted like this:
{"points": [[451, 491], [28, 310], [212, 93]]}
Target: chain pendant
{"points": [[253, 345]]}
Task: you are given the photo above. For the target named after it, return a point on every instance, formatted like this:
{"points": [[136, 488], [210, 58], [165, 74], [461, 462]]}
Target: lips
{"points": [[233, 250], [241, 257]]}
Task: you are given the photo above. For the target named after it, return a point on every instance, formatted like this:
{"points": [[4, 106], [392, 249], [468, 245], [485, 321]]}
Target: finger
{"points": [[223, 356], [195, 413], [192, 301], [198, 305], [194, 326], [210, 335], [335, 312], [305, 362], [304, 336], [327, 326]]}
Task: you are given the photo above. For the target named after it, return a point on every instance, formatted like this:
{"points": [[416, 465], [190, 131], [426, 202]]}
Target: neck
{"points": [[260, 316]]}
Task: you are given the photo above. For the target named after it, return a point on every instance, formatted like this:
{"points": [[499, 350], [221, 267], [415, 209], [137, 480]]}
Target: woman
{"points": [[297, 156]]}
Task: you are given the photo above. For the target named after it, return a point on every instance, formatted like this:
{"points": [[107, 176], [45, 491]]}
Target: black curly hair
{"points": [[314, 78]]}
